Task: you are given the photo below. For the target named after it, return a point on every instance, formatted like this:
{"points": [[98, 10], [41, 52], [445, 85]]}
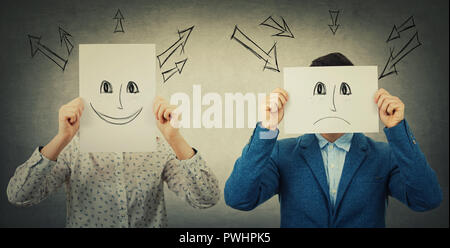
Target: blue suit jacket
{"points": [[293, 168]]}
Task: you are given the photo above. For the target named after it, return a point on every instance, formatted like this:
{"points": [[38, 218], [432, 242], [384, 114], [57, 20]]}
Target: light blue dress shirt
{"points": [[333, 155]]}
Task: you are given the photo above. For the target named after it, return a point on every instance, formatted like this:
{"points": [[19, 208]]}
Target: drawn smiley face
{"points": [[122, 115], [331, 93]]}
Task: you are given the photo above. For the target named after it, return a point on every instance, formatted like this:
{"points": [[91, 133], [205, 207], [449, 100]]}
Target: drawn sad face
{"points": [[123, 98], [332, 97]]}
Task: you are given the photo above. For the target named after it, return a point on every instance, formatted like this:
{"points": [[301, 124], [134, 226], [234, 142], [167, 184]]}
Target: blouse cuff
{"points": [[194, 165]]}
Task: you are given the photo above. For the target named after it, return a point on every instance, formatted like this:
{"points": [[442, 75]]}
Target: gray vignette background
{"points": [[32, 89]]}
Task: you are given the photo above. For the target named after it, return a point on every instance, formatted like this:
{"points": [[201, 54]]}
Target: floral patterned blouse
{"points": [[114, 189]]}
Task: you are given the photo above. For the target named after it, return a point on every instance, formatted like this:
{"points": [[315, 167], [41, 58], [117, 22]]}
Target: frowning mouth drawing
{"points": [[320, 89], [331, 117]]}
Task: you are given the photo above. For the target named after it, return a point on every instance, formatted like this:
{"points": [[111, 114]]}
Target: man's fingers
{"points": [[380, 92], [283, 100], [386, 104], [396, 106], [392, 107], [282, 92], [384, 98], [278, 105], [275, 101], [380, 95], [272, 102], [380, 100]]}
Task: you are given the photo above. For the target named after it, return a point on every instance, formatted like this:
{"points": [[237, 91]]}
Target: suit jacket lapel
{"points": [[353, 160], [310, 151]]}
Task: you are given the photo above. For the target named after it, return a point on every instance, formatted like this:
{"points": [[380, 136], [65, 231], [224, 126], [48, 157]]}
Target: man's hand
{"points": [[274, 108], [69, 119], [390, 108], [164, 112]]}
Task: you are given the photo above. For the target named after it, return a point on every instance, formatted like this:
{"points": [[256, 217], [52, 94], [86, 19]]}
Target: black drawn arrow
{"points": [[179, 45], [270, 57], [334, 16], [284, 30], [118, 17], [390, 66], [36, 46], [64, 36], [178, 68], [395, 32]]}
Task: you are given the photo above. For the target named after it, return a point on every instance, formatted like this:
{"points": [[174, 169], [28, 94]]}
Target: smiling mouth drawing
{"points": [[331, 117], [117, 120]]}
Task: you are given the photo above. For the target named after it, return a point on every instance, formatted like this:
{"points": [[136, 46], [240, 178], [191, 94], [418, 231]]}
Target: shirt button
{"points": [[332, 166], [331, 146], [334, 191]]}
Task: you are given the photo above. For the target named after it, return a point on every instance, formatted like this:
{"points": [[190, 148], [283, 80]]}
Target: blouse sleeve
{"points": [[190, 179], [38, 177]]}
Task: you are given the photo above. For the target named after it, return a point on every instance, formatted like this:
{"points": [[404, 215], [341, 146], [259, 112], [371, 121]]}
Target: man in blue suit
{"points": [[333, 179]]}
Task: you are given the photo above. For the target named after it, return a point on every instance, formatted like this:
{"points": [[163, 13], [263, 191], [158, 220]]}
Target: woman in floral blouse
{"points": [[114, 189]]}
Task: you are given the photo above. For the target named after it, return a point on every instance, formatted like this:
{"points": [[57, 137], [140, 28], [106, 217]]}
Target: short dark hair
{"points": [[332, 59]]}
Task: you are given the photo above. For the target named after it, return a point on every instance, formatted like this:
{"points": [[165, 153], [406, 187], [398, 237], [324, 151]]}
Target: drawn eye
{"points": [[105, 87], [132, 87], [345, 89], [320, 89]]}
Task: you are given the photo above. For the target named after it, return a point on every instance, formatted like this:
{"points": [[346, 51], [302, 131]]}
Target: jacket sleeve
{"points": [[255, 176], [190, 179], [38, 177], [412, 180]]}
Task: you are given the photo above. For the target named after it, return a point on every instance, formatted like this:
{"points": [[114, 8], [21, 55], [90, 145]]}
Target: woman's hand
{"points": [[167, 121], [69, 122], [164, 113]]}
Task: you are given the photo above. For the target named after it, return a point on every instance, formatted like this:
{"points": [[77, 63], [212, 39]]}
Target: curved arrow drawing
{"points": [[270, 57], [334, 16], [284, 30], [36, 46]]}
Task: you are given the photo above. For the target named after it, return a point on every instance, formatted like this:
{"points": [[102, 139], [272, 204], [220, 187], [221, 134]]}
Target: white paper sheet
{"points": [[331, 99], [117, 114]]}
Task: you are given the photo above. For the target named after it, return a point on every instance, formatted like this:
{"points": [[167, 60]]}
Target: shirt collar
{"points": [[343, 142]]}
